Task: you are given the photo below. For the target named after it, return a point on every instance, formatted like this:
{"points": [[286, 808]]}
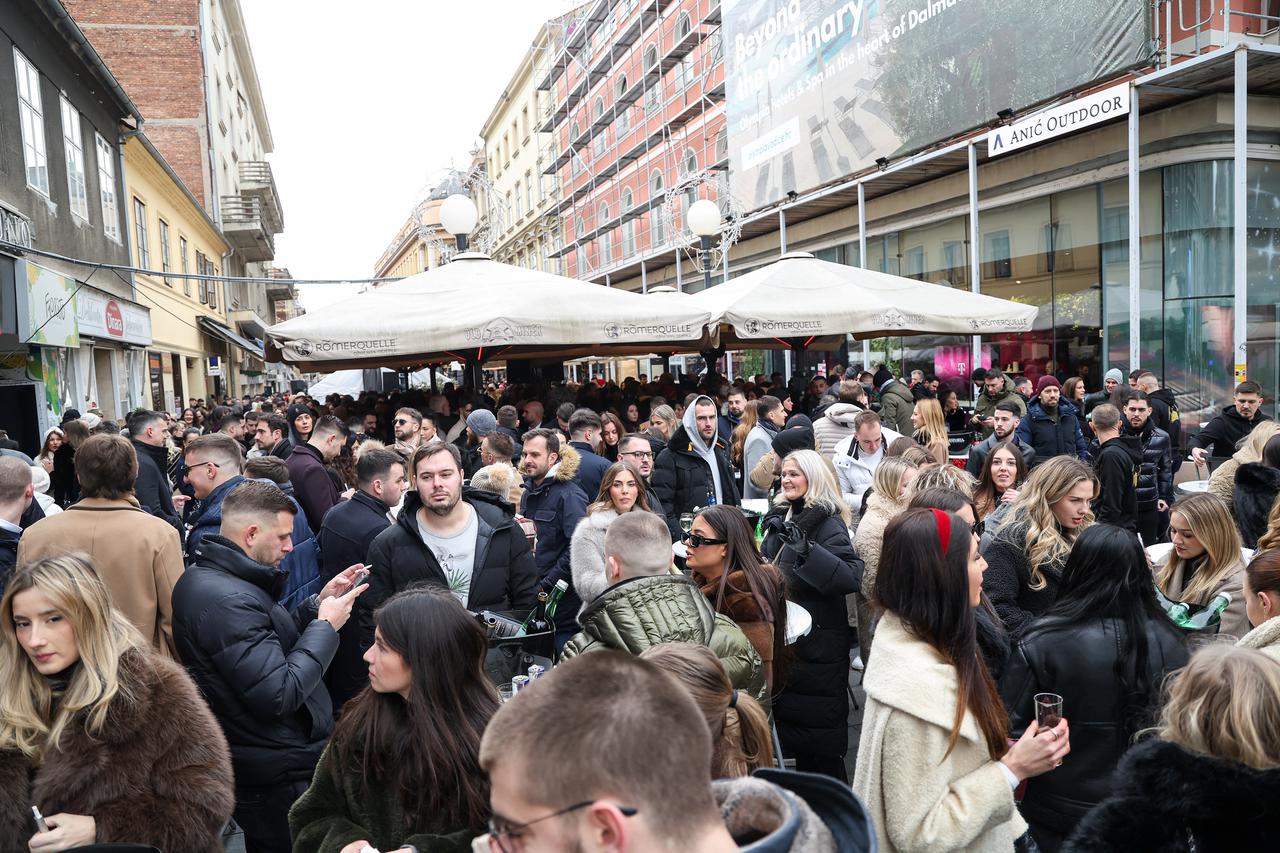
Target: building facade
{"points": [[190, 67], [419, 244], [518, 194], [72, 335]]}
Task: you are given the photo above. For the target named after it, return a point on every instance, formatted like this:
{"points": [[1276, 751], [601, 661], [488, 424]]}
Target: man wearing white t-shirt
{"points": [[459, 538]]}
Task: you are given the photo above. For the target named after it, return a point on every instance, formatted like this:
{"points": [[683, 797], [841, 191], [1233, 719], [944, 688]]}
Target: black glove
{"points": [[795, 537]]}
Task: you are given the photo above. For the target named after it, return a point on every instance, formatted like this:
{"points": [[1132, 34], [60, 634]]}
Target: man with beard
{"points": [[1155, 481], [556, 503], [637, 450], [464, 540], [1004, 419], [694, 470], [407, 425], [735, 406], [1050, 425], [271, 436]]}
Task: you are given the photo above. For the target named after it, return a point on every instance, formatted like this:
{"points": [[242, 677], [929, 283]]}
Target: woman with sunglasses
{"points": [[622, 490], [723, 560], [1105, 646], [402, 768], [935, 768], [807, 538]]}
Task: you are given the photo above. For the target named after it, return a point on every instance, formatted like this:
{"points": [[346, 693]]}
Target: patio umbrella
{"points": [[799, 301], [474, 310]]}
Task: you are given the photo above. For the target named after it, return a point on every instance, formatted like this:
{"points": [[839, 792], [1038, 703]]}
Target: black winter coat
{"points": [[1155, 483], [152, 487], [1221, 435], [555, 506], [8, 554], [1164, 411], [1256, 488], [259, 667], [313, 488], [1078, 662], [1008, 577], [1118, 464], [591, 468], [345, 536], [503, 577], [1165, 799], [1050, 439], [682, 480], [812, 707]]}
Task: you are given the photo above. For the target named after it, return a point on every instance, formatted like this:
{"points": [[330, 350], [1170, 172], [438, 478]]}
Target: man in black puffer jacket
{"points": [[1155, 482], [1050, 425], [462, 539], [1221, 435], [152, 487], [694, 469], [1117, 460], [260, 668]]}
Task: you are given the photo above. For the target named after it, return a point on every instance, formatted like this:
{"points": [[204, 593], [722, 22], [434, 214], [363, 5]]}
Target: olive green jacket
{"points": [[638, 613], [335, 811]]}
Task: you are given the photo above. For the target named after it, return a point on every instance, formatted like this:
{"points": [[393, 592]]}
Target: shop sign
{"points": [[1108, 104], [107, 317], [51, 309]]}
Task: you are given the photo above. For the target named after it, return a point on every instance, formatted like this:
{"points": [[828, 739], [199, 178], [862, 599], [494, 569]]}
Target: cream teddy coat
{"points": [[919, 801]]}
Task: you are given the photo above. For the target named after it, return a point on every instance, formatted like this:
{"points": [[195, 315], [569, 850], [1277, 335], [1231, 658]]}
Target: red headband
{"points": [[944, 529]]}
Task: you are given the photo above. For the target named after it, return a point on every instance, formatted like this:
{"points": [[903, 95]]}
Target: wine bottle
{"points": [[536, 622], [557, 592]]}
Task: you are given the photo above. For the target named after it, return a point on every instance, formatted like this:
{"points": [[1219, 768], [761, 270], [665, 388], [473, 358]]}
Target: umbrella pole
{"points": [[431, 368]]}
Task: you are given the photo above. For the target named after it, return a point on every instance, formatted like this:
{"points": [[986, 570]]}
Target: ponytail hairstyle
{"points": [[740, 734], [929, 591]]}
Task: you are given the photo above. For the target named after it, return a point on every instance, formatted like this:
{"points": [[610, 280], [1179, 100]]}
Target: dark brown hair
{"points": [[257, 501], [75, 432], [929, 592], [106, 466], [603, 499], [1263, 572], [427, 748], [985, 498]]}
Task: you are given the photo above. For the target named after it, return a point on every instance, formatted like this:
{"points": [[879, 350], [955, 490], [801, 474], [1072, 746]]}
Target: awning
{"points": [[218, 330]]}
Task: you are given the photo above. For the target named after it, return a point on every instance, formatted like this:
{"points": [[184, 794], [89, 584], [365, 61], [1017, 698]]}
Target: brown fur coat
{"points": [[159, 773]]}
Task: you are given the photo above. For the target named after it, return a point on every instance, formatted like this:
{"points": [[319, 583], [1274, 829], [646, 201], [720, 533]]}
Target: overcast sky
{"points": [[368, 102]]}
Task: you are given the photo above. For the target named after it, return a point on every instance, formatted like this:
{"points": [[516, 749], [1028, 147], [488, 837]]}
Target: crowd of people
{"points": [[274, 623]]}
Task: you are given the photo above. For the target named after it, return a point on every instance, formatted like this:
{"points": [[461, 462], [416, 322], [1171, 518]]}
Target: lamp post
{"points": [[458, 217], [703, 219]]}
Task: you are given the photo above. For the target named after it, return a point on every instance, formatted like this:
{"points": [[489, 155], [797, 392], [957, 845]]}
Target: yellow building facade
{"points": [[194, 353]]}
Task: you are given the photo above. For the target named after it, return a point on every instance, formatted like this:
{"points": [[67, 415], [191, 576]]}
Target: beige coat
{"points": [[137, 555], [867, 542], [1234, 621], [1265, 638], [921, 802]]}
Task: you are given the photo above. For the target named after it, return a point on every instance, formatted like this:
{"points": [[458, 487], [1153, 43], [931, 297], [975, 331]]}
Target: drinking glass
{"points": [[505, 692], [686, 521], [1048, 709]]}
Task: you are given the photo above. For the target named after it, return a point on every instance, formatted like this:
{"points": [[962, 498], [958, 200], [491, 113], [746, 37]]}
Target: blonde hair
{"points": [[1209, 520], [1225, 703], [102, 636], [945, 477], [1253, 443], [932, 434], [1268, 540], [824, 489], [887, 479], [740, 735], [915, 455], [499, 479], [1044, 544]]}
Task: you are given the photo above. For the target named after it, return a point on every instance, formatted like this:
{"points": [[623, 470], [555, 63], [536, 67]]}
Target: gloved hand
{"points": [[795, 537]]}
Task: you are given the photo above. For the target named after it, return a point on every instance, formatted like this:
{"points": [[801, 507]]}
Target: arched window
{"points": [[574, 130], [683, 26], [657, 233], [602, 219], [622, 86], [655, 184], [628, 199], [579, 229], [722, 145], [690, 164], [597, 109], [650, 57]]}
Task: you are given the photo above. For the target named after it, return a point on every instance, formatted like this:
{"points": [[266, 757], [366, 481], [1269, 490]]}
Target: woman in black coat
{"points": [[808, 540], [1210, 779], [66, 488], [1257, 484], [1104, 646]]}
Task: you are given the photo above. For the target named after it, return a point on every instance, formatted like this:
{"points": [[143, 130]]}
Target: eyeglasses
{"points": [[639, 454], [697, 540], [193, 465], [500, 828]]}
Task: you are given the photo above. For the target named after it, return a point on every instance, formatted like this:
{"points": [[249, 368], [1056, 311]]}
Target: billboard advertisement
{"points": [[821, 89]]}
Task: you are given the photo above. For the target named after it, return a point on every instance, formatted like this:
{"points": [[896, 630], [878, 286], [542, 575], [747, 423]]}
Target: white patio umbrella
{"points": [[800, 301], [473, 310]]}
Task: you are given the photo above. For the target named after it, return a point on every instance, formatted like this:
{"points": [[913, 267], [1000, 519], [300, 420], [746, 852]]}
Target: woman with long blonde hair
{"points": [[1210, 777], [807, 538], [1205, 559], [930, 429], [88, 712], [742, 742], [1026, 557]]}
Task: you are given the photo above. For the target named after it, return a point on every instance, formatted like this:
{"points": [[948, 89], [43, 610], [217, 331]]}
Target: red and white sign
{"points": [[114, 319], [104, 316]]}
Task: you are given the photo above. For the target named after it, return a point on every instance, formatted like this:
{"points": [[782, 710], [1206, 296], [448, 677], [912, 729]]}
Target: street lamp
{"points": [[703, 219], [458, 217]]}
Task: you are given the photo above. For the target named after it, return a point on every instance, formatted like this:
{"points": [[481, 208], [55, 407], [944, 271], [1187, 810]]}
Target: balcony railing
{"points": [[257, 181], [245, 225]]}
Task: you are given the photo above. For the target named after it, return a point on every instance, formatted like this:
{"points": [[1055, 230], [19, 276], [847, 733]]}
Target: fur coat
{"points": [[586, 554], [1265, 638], [1255, 492], [158, 774]]}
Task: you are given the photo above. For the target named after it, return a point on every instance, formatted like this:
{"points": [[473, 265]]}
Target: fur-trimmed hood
{"points": [[567, 468], [1265, 638]]}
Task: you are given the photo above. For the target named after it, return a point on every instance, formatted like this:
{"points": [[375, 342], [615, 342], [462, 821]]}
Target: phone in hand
{"points": [[40, 824], [361, 575]]}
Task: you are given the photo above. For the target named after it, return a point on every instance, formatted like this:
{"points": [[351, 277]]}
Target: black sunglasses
{"points": [[697, 540]]}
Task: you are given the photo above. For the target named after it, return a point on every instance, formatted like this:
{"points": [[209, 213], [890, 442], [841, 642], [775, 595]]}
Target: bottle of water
{"points": [[557, 593], [1211, 615]]}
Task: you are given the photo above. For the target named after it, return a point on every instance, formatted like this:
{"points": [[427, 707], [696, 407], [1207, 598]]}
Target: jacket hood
{"points": [[1129, 444], [218, 552], [762, 816], [629, 613], [1180, 783], [1165, 395], [1258, 478], [567, 467], [690, 423], [1231, 413], [1265, 636], [898, 389], [842, 414], [899, 653]]}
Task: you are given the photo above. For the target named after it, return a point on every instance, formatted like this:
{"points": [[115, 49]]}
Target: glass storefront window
{"points": [[1198, 365], [1197, 229], [1262, 334]]}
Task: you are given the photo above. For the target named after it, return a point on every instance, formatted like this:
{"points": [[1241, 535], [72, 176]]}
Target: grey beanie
{"points": [[482, 422], [1116, 374]]}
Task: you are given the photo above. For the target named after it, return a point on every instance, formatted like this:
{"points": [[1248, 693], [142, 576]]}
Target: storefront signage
{"points": [[1099, 107], [107, 317], [51, 309], [817, 90]]}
